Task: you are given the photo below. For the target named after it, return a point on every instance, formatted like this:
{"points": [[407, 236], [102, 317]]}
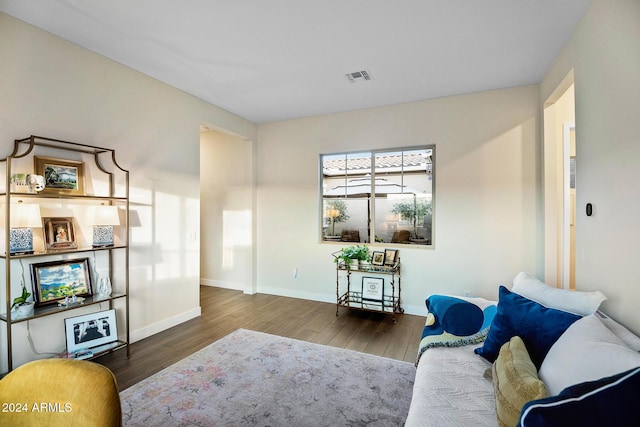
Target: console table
{"points": [[367, 295]]}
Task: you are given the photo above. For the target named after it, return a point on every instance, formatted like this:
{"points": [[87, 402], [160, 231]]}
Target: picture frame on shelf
{"points": [[373, 289], [90, 330], [65, 177], [59, 233], [54, 281], [377, 259], [390, 257]]}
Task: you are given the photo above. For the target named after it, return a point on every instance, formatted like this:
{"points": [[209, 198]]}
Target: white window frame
{"points": [[327, 229]]}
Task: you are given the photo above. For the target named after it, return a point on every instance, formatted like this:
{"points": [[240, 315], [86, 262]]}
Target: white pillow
{"points": [[628, 337], [576, 302], [586, 351]]}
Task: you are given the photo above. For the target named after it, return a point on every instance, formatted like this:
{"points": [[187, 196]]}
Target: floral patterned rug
{"points": [[255, 379]]}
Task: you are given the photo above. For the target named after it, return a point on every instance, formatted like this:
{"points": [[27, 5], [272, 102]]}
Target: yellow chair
{"points": [[60, 392]]}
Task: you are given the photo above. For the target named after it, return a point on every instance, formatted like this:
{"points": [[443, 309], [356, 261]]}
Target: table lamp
{"points": [[24, 218], [105, 217]]}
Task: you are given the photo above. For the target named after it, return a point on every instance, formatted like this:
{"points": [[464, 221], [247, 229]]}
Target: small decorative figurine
{"points": [[35, 183]]}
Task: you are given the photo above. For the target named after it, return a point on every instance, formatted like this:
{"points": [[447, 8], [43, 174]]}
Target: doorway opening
{"points": [[560, 148], [227, 210]]}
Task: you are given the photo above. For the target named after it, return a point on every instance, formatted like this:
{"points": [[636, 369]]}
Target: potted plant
{"points": [[349, 254], [413, 211], [22, 307]]}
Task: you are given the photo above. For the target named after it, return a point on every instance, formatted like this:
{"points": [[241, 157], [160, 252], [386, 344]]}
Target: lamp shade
{"points": [[333, 213], [25, 216], [106, 215]]}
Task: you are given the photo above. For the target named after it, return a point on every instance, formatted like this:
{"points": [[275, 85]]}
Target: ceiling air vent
{"points": [[359, 76]]}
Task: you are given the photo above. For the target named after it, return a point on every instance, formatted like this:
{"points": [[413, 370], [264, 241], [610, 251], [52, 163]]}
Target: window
{"points": [[378, 196]]}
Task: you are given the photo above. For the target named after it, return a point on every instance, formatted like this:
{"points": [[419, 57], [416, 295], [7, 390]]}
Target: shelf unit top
{"points": [[41, 141]]}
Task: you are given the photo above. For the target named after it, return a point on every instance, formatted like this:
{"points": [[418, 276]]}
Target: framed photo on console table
{"points": [[390, 257], [56, 280], [372, 289], [377, 259], [91, 330]]}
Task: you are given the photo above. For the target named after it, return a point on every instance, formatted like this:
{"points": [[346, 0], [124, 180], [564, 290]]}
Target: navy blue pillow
{"points": [[538, 326], [454, 315], [610, 401]]}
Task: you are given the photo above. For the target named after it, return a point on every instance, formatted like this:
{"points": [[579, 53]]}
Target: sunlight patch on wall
{"points": [[236, 233], [163, 235]]}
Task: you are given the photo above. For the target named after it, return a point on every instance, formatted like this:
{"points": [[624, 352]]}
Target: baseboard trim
{"points": [[312, 296], [221, 284], [408, 309], [165, 324]]}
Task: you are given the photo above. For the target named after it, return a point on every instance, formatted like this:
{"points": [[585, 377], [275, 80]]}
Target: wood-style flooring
{"points": [[224, 311]]}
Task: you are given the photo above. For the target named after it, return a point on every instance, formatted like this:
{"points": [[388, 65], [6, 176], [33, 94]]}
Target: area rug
{"points": [[255, 379]]}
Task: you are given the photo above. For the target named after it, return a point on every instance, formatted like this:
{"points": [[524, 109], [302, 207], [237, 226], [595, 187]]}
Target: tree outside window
{"points": [[413, 212], [335, 213]]}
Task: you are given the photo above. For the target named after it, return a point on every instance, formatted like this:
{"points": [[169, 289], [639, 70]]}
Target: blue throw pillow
{"points": [[538, 326], [455, 321], [454, 315], [608, 401]]}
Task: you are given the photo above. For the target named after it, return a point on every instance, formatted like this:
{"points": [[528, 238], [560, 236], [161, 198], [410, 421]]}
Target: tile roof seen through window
{"points": [[409, 161]]}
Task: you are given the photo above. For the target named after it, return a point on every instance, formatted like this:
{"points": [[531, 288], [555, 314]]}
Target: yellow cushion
{"points": [[515, 381], [60, 392]]}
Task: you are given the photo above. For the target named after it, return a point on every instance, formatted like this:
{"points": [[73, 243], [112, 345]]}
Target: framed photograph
{"points": [[372, 289], [61, 176], [377, 258], [55, 280], [390, 256], [91, 330], [59, 233]]}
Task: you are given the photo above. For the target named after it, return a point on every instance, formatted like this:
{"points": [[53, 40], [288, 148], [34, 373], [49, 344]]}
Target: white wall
{"points": [[52, 88], [486, 186], [604, 54], [227, 211]]}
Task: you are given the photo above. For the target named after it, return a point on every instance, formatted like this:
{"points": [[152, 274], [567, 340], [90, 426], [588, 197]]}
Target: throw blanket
{"points": [[454, 321]]}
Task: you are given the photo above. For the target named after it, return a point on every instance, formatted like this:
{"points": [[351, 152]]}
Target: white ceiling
{"points": [[269, 60]]}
